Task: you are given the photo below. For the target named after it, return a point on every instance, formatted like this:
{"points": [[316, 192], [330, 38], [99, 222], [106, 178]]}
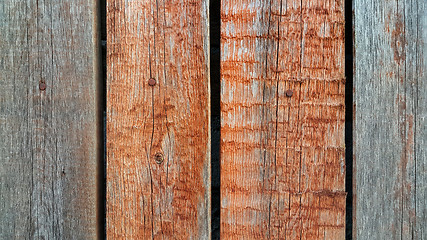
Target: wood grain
{"points": [[48, 138], [158, 137], [390, 127], [282, 157]]}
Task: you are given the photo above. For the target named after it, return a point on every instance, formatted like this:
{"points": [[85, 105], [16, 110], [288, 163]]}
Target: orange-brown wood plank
{"points": [[158, 137], [282, 119]]}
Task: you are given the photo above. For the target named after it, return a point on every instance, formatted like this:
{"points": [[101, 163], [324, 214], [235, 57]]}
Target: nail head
{"points": [[42, 86], [152, 82], [289, 93]]}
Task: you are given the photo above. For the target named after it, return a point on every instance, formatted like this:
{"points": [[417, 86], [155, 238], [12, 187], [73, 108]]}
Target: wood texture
{"points": [[282, 157], [148, 198], [48, 138], [390, 127]]}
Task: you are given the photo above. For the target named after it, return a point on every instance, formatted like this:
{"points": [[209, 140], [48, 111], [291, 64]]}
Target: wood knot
{"points": [[158, 158]]}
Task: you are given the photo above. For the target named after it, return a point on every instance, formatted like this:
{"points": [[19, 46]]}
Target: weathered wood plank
{"points": [[49, 137], [420, 131], [390, 129], [282, 152], [158, 137]]}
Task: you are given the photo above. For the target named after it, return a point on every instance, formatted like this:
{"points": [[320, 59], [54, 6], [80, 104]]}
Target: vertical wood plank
{"points": [[390, 128], [158, 137], [420, 131], [282, 122], [49, 147]]}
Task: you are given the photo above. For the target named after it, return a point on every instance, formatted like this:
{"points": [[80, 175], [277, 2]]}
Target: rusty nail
{"points": [[158, 158], [289, 93], [152, 82], [42, 86]]}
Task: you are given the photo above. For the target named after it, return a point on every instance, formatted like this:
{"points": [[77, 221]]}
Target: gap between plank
{"points": [[349, 117]]}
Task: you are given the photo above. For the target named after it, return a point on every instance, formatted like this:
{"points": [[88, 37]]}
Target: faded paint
{"points": [[282, 158]]}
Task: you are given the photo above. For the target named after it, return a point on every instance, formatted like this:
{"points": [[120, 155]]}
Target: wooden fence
{"points": [[283, 117]]}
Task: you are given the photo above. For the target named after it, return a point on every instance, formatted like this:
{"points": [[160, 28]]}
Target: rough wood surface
{"points": [[48, 138], [158, 137], [282, 157], [390, 121]]}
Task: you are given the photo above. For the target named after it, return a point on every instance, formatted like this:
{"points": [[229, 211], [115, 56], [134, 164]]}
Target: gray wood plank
{"points": [[389, 123], [421, 123], [49, 146]]}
